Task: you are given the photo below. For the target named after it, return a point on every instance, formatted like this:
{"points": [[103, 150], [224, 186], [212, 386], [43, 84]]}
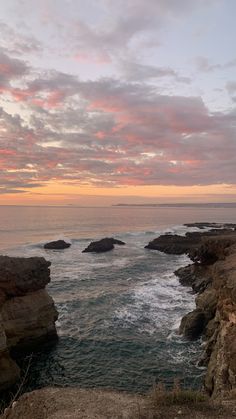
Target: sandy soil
{"points": [[74, 403]]}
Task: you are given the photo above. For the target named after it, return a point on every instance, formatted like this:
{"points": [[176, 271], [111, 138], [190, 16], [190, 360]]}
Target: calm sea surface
{"points": [[119, 311]]}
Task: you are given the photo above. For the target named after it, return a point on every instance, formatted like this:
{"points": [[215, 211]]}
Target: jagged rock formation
{"points": [[213, 277], [203, 225], [103, 245], [215, 313], [27, 312], [178, 245]]}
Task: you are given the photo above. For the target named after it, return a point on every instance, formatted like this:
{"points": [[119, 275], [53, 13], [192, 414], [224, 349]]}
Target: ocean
{"points": [[119, 311]]}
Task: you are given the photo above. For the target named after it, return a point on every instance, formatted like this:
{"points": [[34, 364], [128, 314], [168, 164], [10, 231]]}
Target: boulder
{"points": [[57, 245], [18, 276], [192, 324], [29, 320], [103, 245]]}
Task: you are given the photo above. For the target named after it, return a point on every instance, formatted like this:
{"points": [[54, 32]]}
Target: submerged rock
{"points": [[103, 245], [58, 244], [27, 312]]}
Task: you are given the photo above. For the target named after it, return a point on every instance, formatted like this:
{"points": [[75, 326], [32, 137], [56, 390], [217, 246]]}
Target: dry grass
{"points": [[161, 396]]}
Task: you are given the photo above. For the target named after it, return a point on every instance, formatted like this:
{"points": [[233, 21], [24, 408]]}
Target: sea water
{"points": [[119, 311]]}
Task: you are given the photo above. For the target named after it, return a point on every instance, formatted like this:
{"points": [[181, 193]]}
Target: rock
{"points": [[195, 276], [192, 324], [172, 244], [21, 275], [203, 225], [57, 245], [178, 245], [29, 320], [207, 302], [212, 249], [27, 312], [103, 245], [9, 371], [215, 315], [186, 275], [202, 283]]}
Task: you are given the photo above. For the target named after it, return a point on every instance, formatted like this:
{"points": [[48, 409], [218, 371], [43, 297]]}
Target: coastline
{"points": [[212, 276]]}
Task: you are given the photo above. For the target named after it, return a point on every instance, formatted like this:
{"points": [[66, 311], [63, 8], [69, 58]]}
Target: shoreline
{"points": [[212, 277]]}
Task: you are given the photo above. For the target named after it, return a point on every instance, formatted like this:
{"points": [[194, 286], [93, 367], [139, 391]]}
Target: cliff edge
{"points": [[213, 276], [27, 312]]}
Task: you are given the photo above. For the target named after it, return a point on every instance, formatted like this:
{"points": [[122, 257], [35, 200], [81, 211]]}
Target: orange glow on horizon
{"points": [[63, 194]]}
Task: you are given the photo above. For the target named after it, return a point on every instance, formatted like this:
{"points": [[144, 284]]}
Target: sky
{"points": [[117, 101]]}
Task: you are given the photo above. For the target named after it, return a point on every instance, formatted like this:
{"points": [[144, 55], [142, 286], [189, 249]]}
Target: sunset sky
{"points": [[109, 101]]}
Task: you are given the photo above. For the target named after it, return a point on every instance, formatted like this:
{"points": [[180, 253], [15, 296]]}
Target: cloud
{"points": [[231, 87], [16, 43], [112, 133], [203, 64], [10, 69], [122, 26], [134, 71]]}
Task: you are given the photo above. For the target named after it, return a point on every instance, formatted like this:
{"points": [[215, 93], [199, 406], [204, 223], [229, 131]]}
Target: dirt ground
{"points": [[74, 403]]}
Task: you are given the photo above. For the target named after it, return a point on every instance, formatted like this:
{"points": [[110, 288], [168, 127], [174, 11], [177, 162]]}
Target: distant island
{"points": [[178, 204]]}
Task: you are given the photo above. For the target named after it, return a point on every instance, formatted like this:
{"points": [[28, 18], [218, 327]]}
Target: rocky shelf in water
{"points": [[178, 245]]}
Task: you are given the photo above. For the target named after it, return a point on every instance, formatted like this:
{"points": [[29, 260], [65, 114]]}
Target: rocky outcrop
{"points": [[203, 225], [213, 250], [27, 312], [215, 314], [213, 277], [57, 245], [178, 245], [174, 244], [103, 245], [194, 276]]}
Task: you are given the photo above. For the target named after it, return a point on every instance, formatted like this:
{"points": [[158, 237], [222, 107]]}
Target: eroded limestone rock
{"points": [[27, 312]]}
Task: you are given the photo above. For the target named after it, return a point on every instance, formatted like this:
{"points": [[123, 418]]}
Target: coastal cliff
{"points": [[27, 312], [213, 276]]}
